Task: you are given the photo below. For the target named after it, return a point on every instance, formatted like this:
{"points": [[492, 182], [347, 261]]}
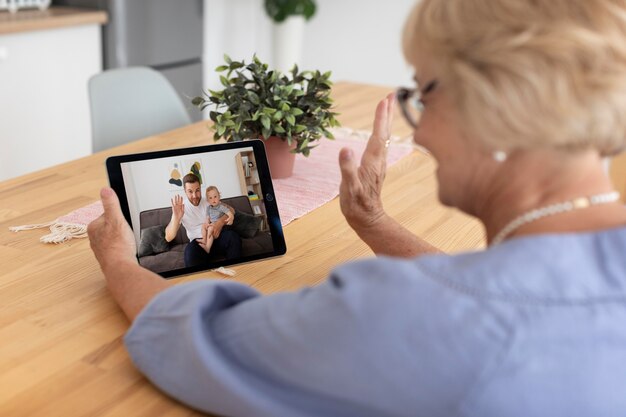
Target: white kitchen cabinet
{"points": [[44, 109]]}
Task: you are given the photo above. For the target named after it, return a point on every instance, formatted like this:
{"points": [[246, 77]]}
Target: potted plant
{"points": [[290, 112], [288, 31]]}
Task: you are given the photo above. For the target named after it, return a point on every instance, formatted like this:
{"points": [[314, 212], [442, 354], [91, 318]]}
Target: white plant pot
{"points": [[287, 43]]}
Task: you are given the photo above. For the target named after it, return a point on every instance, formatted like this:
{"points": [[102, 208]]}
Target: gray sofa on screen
{"points": [[171, 255]]}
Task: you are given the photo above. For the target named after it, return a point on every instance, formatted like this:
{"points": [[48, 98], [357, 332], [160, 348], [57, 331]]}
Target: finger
{"points": [[111, 204], [380, 119], [94, 226], [349, 170], [375, 148], [390, 111]]}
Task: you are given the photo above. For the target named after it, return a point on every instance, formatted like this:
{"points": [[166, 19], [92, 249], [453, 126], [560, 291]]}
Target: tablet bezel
{"points": [[116, 181]]}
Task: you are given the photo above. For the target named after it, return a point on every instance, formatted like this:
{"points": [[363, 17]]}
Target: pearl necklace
{"points": [[552, 209]]}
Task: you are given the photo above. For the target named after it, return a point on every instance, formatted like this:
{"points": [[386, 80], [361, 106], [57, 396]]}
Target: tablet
{"points": [[199, 208]]}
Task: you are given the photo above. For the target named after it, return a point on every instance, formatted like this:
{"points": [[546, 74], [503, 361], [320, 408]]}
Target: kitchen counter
{"points": [[54, 17]]}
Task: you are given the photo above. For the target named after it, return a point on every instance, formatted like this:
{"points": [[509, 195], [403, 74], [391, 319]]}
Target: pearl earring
{"points": [[499, 156]]}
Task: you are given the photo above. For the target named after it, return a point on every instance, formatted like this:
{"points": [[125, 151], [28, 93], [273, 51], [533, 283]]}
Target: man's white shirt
{"points": [[194, 218]]}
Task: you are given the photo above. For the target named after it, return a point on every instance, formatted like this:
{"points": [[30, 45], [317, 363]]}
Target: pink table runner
{"points": [[315, 181]]}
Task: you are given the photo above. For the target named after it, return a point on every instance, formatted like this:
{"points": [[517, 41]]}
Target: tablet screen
{"points": [[199, 208]]}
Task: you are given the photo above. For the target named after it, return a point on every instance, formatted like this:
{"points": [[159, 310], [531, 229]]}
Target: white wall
{"points": [[358, 40], [147, 182], [238, 28]]}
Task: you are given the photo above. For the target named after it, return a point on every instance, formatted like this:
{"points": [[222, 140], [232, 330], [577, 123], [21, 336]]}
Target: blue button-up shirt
{"points": [[535, 326]]}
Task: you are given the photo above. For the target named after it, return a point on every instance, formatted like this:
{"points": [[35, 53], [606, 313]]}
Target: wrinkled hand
{"points": [[178, 208], [361, 186], [110, 236]]}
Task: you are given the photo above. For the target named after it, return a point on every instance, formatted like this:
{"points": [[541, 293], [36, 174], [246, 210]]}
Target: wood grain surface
{"points": [[61, 350], [28, 20]]}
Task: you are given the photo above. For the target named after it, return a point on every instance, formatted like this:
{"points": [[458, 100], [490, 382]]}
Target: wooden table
{"points": [[61, 350]]}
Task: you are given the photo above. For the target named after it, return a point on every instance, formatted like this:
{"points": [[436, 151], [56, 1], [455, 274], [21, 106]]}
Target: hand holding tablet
{"points": [[170, 218]]}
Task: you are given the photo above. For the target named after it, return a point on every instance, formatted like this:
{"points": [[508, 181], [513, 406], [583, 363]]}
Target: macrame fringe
{"points": [[59, 232], [30, 226]]}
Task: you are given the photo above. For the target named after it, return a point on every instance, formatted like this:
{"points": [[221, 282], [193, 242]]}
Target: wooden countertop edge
{"points": [[52, 18]]}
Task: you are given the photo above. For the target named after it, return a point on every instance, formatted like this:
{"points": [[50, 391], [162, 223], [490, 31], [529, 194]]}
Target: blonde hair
{"points": [[526, 74], [211, 188]]}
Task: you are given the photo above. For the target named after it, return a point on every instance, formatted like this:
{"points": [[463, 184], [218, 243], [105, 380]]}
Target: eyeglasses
{"points": [[410, 100]]}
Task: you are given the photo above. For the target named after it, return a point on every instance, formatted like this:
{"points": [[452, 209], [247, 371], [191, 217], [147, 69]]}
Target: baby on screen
{"points": [[214, 211]]}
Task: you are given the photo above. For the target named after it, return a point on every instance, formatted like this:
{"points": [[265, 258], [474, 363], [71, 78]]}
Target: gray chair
{"points": [[132, 103]]}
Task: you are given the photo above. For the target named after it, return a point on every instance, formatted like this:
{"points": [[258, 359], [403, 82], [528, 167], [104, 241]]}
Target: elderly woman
{"points": [[518, 102]]}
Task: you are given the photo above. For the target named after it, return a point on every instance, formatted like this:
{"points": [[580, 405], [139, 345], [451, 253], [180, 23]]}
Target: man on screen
{"points": [[192, 215]]}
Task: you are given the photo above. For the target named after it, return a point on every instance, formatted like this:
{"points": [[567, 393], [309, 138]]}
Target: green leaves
{"points": [[257, 102], [253, 97], [279, 10], [266, 122]]}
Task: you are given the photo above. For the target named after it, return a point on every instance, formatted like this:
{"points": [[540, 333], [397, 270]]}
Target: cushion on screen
{"points": [[245, 224], [152, 241]]}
